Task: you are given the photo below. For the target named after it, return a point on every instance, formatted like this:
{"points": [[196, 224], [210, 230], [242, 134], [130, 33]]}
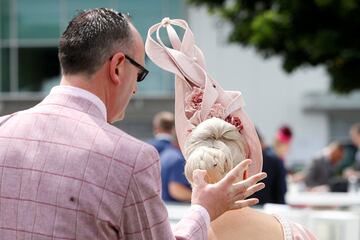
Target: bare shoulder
{"points": [[248, 223]]}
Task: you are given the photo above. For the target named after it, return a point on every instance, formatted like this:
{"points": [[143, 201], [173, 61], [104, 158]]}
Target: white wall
{"points": [[272, 97]]}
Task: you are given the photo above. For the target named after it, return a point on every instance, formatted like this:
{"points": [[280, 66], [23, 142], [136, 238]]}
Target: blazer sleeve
{"points": [[145, 215]]}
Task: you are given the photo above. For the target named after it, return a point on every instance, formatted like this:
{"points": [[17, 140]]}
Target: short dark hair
{"points": [[90, 39], [165, 121]]}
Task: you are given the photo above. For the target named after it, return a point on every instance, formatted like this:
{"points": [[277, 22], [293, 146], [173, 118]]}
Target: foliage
{"points": [[303, 32]]}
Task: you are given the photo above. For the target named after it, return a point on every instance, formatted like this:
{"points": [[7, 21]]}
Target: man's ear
{"points": [[117, 68]]}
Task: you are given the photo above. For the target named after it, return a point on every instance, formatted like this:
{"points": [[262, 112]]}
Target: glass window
{"points": [[38, 19], [158, 82], [144, 14], [38, 69], [340, 123], [4, 19], [39, 24], [4, 70]]}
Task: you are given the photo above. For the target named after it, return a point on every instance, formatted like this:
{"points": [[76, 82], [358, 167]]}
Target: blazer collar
{"points": [[76, 98]]}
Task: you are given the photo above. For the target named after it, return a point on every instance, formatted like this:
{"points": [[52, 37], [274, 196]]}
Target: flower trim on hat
{"points": [[193, 104], [236, 122]]}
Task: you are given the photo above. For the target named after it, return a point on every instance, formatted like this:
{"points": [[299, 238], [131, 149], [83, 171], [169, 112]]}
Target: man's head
{"points": [[355, 134], [164, 122], [336, 152], [100, 47], [91, 38]]}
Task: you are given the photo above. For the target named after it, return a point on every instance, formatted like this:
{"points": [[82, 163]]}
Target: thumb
{"points": [[199, 177]]}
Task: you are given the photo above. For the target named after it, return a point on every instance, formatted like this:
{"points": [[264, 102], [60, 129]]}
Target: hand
{"points": [[227, 194]]}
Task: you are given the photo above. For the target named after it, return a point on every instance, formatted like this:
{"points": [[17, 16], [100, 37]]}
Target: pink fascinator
{"points": [[197, 96]]}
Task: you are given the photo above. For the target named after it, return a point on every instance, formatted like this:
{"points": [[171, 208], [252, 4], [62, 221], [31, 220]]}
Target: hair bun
{"points": [[215, 161], [215, 146]]}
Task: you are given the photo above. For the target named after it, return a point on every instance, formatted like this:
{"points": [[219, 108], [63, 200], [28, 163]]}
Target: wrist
{"points": [[202, 211]]}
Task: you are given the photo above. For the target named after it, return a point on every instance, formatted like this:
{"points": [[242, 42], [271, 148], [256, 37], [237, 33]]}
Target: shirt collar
{"points": [[79, 92]]}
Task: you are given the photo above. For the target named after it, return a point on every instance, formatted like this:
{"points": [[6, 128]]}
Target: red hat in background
{"points": [[284, 134]]}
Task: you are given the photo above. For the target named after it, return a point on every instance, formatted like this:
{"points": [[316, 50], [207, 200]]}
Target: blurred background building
{"points": [[29, 32]]}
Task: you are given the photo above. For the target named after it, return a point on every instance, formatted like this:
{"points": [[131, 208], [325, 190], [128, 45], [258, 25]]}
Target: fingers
{"points": [[253, 189], [244, 203], [249, 191], [199, 177], [246, 188], [237, 171], [242, 186]]}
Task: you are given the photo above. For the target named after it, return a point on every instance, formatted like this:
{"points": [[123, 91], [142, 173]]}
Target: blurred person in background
{"points": [[163, 130], [275, 183], [175, 186], [322, 170], [353, 157], [282, 141]]}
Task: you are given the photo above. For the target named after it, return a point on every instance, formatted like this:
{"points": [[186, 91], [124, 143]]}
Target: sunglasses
{"points": [[143, 71]]}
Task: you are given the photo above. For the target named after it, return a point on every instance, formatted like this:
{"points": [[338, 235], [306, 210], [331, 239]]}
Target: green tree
{"points": [[303, 32]]}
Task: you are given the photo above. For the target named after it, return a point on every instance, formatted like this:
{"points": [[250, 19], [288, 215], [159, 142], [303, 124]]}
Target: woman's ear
{"points": [[117, 68]]}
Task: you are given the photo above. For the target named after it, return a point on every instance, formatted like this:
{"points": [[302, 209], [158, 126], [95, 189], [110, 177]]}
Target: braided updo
{"points": [[215, 146]]}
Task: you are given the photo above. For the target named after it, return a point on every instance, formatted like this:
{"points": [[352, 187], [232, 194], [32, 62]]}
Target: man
{"points": [[351, 160], [175, 186], [323, 167], [163, 128], [350, 164], [355, 137], [66, 173], [353, 169], [275, 181]]}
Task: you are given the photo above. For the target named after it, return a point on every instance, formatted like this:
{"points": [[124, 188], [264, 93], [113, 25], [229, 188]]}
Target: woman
{"points": [[214, 132], [217, 146]]}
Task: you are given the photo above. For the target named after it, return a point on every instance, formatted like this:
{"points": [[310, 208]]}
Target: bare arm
{"points": [[179, 192]]}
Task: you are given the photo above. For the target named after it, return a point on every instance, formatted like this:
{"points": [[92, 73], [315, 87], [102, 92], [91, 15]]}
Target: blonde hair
{"points": [[215, 146]]}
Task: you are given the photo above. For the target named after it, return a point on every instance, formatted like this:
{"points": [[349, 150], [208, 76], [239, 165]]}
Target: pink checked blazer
{"points": [[65, 173]]}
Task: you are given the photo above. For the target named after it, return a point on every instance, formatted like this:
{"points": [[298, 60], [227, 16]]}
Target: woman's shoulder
{"points": [[248, 223]]}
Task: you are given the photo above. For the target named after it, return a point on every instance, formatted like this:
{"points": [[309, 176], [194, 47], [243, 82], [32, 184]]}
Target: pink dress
{"points": [[294, 231]]}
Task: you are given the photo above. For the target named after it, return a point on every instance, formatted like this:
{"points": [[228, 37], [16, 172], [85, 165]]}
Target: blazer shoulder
{"points": [[131, 143], [4, 119]]}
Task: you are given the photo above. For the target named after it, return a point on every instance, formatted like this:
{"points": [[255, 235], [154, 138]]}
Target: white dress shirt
{"points": [[79, 92]]}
